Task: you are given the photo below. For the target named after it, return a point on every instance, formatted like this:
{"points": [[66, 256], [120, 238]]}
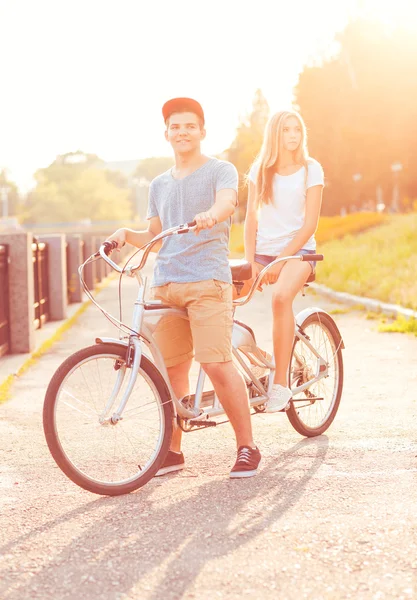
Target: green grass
{"points": [[400, 325], [340, 311], [380, 263]]}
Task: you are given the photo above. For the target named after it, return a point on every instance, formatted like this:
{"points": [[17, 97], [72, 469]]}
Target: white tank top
{"points": [[279, 222]]}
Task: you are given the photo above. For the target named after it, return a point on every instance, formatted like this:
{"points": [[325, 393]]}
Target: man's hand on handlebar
{"points": [[119, 237], [204, 220]]}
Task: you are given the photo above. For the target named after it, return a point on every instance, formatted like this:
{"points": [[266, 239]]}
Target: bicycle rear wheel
{"points": [[105, 458], [312, 411]]}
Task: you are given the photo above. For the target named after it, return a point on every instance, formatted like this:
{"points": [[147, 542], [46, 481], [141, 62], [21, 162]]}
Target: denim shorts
{"points": [[263, 259]]}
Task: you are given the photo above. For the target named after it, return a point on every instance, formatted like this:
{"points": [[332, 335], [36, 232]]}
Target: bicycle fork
{"points": [[134, 348]]}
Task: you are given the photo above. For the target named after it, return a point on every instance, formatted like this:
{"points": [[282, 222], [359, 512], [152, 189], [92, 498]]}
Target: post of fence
{"points": [[21, 291], [75, 259], [90, 269], [57, 275]]}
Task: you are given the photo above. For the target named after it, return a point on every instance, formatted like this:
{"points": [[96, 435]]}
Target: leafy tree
{"points": [[13, 199], [360, 110], [247, 144], [149, 168], [73, 188]]}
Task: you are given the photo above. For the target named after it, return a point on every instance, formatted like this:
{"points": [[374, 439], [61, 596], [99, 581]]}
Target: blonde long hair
{"points": [[268, 157]]}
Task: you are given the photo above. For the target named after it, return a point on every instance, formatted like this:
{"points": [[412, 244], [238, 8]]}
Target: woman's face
{"points": [[291, 134]]}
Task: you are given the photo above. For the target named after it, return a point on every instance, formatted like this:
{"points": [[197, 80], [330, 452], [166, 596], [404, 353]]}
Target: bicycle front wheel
{"points": [[313, 410], [97, 455]]}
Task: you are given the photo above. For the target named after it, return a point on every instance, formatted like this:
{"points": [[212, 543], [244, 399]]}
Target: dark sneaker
{"points": [[173, 462], [247, 462]]}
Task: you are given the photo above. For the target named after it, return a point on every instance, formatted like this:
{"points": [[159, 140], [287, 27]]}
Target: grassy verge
{"points": [[375, 256], [400, 325], [380, 263], [329, 228]]}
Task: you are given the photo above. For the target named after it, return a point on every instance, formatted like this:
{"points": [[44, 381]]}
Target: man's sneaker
{"points": [[173, 462], [247, 462], [279, 397]]}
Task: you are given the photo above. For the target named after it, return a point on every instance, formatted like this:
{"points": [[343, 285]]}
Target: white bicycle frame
{"points": [[147, 315]]}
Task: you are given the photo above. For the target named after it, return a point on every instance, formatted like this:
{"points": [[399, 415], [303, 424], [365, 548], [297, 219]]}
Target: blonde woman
{"points": [[284, 201]]}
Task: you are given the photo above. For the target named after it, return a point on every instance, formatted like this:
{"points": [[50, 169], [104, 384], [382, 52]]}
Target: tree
{"points": [[73, 188], [361, 114], [149, 168], [247, 144], [13, 199]]}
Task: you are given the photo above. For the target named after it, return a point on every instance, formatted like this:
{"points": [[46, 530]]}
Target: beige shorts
{"points": [[209, 328]]}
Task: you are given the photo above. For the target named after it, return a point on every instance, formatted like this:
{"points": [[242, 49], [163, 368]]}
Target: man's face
{"points": [[184, 132]]}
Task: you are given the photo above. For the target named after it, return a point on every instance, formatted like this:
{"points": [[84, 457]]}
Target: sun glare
{"points": [[402, 13]]}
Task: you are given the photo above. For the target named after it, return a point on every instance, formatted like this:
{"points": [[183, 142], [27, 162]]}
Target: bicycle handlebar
{"points": [[260, 276], [312, 257], [107, 247]]}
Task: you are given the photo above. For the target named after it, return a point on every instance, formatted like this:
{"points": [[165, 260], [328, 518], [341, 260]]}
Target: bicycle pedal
{"points": [[198, 423]]}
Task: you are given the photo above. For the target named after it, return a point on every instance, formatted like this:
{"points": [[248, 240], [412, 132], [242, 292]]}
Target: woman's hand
{"points": [[119, 237], [272, 274], [256, 269]]}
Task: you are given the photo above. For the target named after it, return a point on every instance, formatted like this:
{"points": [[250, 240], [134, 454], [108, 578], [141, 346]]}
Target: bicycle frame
{"points": [[147, 315]]}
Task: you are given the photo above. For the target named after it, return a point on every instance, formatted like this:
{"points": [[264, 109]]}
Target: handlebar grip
{"points": [[109, 247], [186, 227], [311, 257]]}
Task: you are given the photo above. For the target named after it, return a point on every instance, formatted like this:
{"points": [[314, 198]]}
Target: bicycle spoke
{"points": [[304, 367], [107, 452]]}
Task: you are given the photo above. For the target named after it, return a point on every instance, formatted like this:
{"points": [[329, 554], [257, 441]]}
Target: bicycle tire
{"points": [[320, 319], [118, 352]]}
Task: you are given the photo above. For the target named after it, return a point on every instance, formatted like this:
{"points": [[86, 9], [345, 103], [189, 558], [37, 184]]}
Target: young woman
{"points": [[284, 201]]}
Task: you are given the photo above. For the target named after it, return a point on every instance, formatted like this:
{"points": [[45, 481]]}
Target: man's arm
{"points": [[138, 238], [223, 208]]}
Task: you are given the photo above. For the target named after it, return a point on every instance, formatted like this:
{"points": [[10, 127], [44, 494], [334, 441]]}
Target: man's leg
{"points": [[173, 337], [178, 376], [231, 390], [211, 321]]}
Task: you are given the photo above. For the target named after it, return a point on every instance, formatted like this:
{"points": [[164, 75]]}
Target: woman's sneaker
{"points": [[279, 397], [247, 462], [173, 462]]}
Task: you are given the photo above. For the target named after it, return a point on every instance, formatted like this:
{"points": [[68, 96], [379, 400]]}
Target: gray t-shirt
{"points": [[189, 257]]}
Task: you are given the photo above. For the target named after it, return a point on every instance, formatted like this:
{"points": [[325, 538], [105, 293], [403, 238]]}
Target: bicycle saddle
{"points": [[241, 269]]}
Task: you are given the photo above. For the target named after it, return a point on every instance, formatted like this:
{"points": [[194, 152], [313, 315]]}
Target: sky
{"points": [[92, 75]]}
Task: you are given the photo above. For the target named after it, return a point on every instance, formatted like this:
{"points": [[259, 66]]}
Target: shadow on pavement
{"points": [[116, 554]]}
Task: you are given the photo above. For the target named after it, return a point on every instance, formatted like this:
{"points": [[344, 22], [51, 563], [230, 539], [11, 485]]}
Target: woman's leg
{"points": [[290, 281]]}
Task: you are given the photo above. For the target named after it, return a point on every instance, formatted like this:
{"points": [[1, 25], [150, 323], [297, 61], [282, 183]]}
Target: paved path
{"points": [[331, 517]]}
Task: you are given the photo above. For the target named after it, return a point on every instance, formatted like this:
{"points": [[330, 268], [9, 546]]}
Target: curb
{"points": [[56, 335], [369, 303]]}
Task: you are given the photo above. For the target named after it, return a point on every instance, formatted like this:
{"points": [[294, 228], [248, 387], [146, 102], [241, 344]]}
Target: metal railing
{"points": [[41, 284], [4, 300]]}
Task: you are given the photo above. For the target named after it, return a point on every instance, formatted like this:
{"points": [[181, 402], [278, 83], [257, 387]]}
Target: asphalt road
{"points": [[329, 517]]}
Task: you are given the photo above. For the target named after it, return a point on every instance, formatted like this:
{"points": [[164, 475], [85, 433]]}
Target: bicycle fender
{"points": [[106, 340], [306, 312]]}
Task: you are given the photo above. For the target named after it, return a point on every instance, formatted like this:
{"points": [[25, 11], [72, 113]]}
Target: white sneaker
{"points": [[278, 398]]}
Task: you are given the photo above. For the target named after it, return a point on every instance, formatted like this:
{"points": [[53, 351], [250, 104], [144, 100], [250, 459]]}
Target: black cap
{"points": [[182, 105]]}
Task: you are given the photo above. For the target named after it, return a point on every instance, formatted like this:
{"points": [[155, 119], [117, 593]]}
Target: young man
{"points": [[192, 272]]}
